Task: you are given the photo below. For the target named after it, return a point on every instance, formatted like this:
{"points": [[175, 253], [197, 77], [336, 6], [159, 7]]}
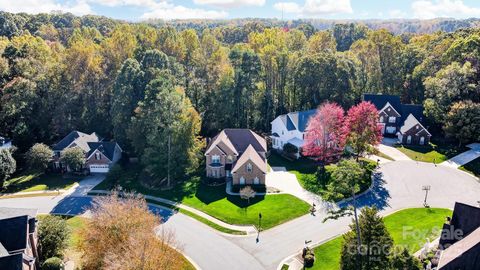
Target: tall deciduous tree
{"points": [[122, 234], [73, 157], [362, 128], [463, 121], [38, 156], [325, 135]]}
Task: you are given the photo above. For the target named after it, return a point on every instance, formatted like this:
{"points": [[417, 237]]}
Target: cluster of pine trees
{"points": [[153, 87]]}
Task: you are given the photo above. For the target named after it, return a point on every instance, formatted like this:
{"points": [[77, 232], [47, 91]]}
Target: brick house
{"points": [[18, 239], [100, 155], [405, 121], [237, 154]]}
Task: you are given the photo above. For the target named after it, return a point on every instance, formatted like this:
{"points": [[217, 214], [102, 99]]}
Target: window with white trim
{"points": [[215, 159], [249, 167], [97, 156], [392, 119], [381, 119]]}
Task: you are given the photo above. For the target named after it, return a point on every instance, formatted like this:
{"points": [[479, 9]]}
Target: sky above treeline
{"points": [[137, 10]]}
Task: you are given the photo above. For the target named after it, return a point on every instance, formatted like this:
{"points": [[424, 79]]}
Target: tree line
{"points": [[152, 88]]}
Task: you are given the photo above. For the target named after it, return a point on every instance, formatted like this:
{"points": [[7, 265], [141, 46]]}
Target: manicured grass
{"points": [[306, 172], [472, 167], [199, 218], [39, 182], [275, 209], [409, 228], [380, 154], [434, 152], [327, 256]]}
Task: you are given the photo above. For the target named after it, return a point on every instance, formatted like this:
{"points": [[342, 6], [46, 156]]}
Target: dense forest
{"points": [[146, 84]]}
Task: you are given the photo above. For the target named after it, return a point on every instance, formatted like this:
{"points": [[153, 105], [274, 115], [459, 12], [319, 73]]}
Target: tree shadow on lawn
{"points": [[378, 196], [30, 179], [210, 194], [447, 149]]}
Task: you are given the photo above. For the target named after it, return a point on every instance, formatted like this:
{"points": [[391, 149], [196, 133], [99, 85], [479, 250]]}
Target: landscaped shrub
{"points": [[290, 148], [308, 257], [53, 234], [257, 188], [115, 173], [53, 263]]}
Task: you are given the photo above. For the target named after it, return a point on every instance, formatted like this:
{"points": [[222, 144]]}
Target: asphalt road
{"points": [[398, 185]]}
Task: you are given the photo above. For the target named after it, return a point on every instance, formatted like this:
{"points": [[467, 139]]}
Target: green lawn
{"points": [[275, 209], [305, 171], [472, 167], [435, 151], [39, 182], [409, 228]]}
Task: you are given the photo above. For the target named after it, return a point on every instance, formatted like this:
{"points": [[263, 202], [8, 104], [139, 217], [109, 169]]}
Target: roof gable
{"points": [[297, 120], [106, 148], [388, 105], [76, 138], [251, 155], [380, 101], [411, 122], [242, 138]]}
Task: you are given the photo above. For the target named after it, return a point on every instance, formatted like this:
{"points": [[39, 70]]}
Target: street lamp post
{"points": [[259, 226], [426, 189]]}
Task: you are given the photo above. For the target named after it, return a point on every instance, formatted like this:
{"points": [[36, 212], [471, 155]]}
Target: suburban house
{"points": [[100, 155], [237, 154], [290, 128], [18, 239], [5, 143], [459, 245], [405, 121]]}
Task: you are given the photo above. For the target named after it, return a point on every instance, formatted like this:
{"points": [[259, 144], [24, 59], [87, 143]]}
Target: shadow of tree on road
{"points": [[377, 196]]}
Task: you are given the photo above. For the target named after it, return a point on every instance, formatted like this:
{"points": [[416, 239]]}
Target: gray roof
{"points": [[297, 120], [79, 138], [241, 138], [404, 110], [13, 233], [106, 148], [7, 212], [12, 262]]}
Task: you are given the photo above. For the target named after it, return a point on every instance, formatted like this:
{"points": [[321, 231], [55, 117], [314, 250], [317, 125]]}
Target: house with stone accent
{"points": [[404, 121], [100, 155], [238, 155]]}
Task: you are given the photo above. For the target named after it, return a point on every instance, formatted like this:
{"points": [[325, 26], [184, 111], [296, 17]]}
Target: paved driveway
{"points": [[398, 185], [464, 157]]}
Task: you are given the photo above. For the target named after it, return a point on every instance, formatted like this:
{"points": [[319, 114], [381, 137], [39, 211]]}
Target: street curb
{"points": [[41, 192]]}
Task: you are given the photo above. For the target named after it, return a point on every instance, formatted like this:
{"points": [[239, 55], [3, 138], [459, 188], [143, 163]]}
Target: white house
{"points": [[290, 128]]}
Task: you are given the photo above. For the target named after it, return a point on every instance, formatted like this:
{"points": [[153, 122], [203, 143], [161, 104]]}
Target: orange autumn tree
{"points": [[122, 234]]}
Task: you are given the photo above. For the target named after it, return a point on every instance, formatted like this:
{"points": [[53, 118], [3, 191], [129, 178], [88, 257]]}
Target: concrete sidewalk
{"points": [[464, 158], [247, 229]]}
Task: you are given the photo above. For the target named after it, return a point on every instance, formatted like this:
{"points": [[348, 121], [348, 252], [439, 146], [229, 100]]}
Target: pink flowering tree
{"points": [[362, 128], [325, 135]]}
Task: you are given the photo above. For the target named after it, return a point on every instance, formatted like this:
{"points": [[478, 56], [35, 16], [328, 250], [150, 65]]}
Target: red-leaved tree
{"points": [[325, 135], [362, 128]]}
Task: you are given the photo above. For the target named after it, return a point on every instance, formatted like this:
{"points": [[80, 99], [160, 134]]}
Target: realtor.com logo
{"points": [[421, 237]]}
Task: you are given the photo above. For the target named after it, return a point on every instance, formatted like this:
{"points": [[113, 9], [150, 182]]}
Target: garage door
{"points": [[99, 168]]}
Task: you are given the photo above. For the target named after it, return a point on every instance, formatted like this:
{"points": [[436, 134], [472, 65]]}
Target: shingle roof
{"points": [[13, 233], [380, 100], [3, 251], [295, 120], [252, 155], [242, 138], [467, 244], [106, 148], [7, 212], [79, 138], [12, 262]]}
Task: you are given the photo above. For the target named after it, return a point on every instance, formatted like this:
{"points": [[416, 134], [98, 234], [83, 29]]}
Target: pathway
{"points": [[464, 157], [388, 149]]}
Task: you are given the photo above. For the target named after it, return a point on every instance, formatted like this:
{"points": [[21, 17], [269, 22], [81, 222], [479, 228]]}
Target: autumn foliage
{"points": [[325, 135], [122, 234], [363, 130]]}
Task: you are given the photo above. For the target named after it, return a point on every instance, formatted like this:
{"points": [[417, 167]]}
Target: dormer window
{"points": [[249, 167], [97, 156], [215, 159]]}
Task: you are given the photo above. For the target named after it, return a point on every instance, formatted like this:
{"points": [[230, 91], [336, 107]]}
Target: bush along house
{"points": [[404, 121], [99, 155], [238, 155]]}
